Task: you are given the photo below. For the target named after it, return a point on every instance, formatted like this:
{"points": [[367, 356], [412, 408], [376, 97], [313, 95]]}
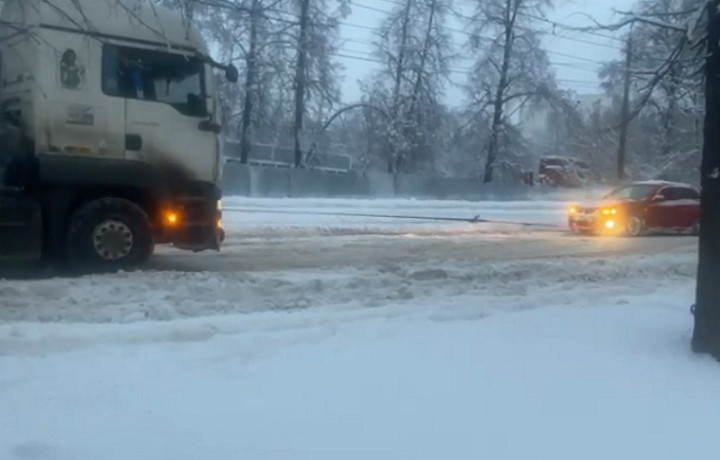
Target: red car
{"points": [[640, 208]]}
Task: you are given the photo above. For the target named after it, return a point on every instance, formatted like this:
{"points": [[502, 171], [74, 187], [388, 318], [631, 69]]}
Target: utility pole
{"points": [[706, 336], [300, 79], [625, 117]]}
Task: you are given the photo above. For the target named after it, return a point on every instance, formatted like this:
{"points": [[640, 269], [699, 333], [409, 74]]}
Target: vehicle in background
{"points": [[563, 172], [109, 127], [640, 208]]}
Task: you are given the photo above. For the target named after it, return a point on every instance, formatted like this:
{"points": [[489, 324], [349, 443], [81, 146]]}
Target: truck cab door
{"points": [[166, 106]]}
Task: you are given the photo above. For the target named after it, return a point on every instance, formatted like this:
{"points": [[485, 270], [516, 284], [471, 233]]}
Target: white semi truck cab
{"points": [[109, 133]]}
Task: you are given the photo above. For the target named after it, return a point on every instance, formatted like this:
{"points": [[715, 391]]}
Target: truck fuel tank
{"points": [[21, 228]]}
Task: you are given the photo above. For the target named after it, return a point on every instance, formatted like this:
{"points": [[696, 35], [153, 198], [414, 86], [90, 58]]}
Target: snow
{"points": [[614, 379], [524, 280], [680, 203], [662, 182], [489, 342]]}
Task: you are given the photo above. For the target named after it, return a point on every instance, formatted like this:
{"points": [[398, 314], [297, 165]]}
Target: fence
{"points": [[284, 157], [257, 181]]}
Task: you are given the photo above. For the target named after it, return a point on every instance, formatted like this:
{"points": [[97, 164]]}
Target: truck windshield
{"points": [[169, 78]]}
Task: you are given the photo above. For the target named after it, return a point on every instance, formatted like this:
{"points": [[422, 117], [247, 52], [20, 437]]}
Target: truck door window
{"points": [[148, 75]]}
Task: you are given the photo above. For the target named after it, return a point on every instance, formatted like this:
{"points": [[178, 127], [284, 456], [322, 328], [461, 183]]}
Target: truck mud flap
{"points": [[199, 238], [21, 230]]}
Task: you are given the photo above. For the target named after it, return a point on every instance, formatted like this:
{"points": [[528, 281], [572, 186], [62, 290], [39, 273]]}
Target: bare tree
{"points": [[414, 48], [316, 71], [254, 34], [665, 77], [511, 68]]}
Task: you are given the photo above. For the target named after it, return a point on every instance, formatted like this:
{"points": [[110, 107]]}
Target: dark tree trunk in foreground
{"points": [[706, 337]]}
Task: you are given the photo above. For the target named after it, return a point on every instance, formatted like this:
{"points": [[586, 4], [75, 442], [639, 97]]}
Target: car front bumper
{"points": [[601, 225]]}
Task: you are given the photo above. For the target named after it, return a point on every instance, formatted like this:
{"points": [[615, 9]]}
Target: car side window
{"points": [[688, 194], [669, 193], [680, 193]]}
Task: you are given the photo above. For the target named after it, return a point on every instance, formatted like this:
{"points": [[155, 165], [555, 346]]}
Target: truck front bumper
{"points": [[192, 224]]}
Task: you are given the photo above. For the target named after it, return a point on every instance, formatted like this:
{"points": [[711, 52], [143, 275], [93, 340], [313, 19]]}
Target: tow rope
{"points": [[474, 220]]}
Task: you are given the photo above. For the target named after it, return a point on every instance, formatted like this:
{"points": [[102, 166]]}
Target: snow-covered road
{"points": [[279, 235], [325, 337], [304, 262], [298, 217]]}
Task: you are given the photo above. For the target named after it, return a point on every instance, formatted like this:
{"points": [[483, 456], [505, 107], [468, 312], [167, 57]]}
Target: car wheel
{"points": [[109, 234], [635, 226]]}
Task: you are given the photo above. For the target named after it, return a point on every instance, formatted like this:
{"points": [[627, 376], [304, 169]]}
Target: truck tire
{"points": [[109, 234]]}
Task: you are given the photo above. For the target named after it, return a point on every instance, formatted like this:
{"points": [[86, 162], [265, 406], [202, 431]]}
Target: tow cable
{"points": [[474, 220]]}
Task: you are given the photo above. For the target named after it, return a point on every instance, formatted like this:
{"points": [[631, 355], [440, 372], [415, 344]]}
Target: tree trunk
{"points": [[395, 108], [625, 116], [669, 138], [417, 86], [250, 84], [300, 80], [706, 337], [499, 102]]}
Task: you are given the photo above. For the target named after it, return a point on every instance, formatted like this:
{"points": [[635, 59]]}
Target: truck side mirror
{"points": [[231, 73], [659, 199]]}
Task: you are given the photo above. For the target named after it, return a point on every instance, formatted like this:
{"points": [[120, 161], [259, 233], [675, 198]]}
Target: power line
{"points": [[550, 52], [451, 70], [554, 23], [456, 71]]}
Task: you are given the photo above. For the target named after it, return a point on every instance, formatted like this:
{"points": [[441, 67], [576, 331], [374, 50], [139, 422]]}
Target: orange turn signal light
{"points": [[171, 218]]}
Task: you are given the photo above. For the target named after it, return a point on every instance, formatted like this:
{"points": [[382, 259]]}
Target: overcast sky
{"points": [[574, 55]]}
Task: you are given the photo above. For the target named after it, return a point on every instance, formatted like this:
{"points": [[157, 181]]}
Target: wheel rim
{"points": [[635, 226], [113, 240]]}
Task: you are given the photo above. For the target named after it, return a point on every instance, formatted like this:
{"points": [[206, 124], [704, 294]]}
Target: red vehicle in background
{"points": [[563, 172], [640, 208]]}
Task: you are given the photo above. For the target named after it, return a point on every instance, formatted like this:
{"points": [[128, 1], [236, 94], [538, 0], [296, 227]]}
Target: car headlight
{"points": [[572, 210], [609, 212]]}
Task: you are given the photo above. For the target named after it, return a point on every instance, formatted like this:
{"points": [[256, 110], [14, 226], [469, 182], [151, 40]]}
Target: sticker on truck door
{"points": [[80, 115], [72, 72]]}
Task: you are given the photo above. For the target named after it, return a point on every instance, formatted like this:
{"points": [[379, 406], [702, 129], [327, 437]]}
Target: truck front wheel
{"points": [[109, 234]]}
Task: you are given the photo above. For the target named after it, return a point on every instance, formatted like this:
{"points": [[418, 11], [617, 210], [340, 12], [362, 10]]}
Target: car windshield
{"points": [[632, 192]]}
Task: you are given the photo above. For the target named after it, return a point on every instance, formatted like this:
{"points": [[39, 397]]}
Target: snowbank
{"points": [[166, 295], [614, 379]]}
